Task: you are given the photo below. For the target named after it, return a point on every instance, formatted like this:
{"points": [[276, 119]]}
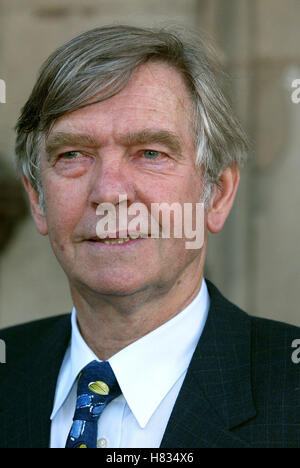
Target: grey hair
{"points": [[99, 63]]}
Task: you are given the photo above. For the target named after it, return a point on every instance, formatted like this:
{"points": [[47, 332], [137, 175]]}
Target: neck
{"points": [[110, 323]]}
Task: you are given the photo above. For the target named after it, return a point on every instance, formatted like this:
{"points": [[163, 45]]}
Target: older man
{"points": [[152, 354]]}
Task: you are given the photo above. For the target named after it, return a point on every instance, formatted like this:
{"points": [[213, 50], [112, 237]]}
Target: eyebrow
{"points": [[148, 136], [60, 139], [141, 137]]}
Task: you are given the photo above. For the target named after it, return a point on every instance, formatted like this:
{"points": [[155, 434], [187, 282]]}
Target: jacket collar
{"points": [[216, 394]]}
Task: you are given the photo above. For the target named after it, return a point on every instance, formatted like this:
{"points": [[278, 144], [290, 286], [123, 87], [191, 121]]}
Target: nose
{"points": [[113, 178]]}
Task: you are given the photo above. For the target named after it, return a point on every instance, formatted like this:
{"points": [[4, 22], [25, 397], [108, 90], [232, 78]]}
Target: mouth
{"points": [[116, 240]]}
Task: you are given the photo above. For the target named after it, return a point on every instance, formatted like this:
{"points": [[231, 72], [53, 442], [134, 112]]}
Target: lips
{"points": [[121, 240], [115, 239]]}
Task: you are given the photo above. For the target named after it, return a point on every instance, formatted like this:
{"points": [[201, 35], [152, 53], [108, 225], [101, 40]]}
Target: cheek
{"points": [[185, 186], [64, 208], [162, 189], [174, 258]]}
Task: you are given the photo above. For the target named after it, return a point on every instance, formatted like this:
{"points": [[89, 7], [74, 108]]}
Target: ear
{"points": [[223, 198], [36, 209]]}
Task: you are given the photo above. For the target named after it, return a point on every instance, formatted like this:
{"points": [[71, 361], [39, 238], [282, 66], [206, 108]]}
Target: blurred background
{"points": [[255, 260]]}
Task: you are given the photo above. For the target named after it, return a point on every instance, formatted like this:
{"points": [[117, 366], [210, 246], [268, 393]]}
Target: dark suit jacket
{"points": [[241, 389]]}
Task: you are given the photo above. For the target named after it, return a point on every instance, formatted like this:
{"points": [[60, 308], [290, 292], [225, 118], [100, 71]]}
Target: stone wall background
{"points": [[255, 260]]}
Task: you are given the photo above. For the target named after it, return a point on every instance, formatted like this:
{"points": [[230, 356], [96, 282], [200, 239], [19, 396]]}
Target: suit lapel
{"points": [[216, 393], [25, 419]]}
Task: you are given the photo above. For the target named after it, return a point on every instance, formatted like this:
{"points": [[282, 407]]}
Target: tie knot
{"points": [[97, 378], [97, 386]]}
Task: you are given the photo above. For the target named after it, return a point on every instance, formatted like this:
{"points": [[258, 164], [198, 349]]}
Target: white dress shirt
{"points": [[150, 373]]}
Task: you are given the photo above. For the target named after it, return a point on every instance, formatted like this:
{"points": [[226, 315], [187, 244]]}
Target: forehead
{"points": [[156, 96]]}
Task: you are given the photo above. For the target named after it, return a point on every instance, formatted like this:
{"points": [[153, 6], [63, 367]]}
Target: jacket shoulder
{"points": [[21, 338], [32, 328], [264, 349], [266, 330], [273, 349]]}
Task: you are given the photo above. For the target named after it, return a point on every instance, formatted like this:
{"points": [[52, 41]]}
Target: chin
{"points": [[112, 286]]}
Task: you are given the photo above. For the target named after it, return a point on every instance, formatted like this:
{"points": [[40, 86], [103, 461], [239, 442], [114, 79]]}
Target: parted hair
{"points": [[99, 63]]}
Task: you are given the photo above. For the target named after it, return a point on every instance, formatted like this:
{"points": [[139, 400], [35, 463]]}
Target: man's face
{"points": [[138, 143]]}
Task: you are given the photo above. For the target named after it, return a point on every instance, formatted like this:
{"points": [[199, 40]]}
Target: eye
{"points": [[151, 154], [70, 155]]}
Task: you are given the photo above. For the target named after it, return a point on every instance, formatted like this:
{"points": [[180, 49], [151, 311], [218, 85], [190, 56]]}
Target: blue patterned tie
{"points": [[97, 386]]}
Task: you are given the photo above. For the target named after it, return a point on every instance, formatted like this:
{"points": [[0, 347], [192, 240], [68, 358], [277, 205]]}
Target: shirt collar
{"points": [[147, 369]]}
